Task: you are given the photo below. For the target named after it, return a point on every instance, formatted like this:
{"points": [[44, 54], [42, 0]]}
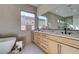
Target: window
{"points": [[27, 21], [42, 21]]}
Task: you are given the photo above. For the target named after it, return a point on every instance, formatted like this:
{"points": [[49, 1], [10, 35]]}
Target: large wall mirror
{"points": [[63, 16]]}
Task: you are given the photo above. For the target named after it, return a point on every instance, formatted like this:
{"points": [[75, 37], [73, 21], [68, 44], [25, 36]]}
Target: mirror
{"points": [[63, 16], [42, 22]]}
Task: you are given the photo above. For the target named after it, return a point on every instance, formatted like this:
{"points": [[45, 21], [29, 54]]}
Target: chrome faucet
{"points": [[65, 31]]}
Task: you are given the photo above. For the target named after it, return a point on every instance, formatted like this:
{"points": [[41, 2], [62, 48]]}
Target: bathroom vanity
{"points": [[53, 43]]}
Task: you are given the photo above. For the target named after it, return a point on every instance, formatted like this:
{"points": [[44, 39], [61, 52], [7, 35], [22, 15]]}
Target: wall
{"points": [[10, 19], [52, 21]]}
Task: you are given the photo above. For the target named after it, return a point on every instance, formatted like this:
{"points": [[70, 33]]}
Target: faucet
{"points": [[65, 31]]}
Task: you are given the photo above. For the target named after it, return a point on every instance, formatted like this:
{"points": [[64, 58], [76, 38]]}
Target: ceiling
{"points": [[36, 5], [66, 10], [63, 10]]}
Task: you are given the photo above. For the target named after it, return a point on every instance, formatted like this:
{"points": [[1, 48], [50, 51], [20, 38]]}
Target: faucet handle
{"points": [[69, 33], [62, 32]]}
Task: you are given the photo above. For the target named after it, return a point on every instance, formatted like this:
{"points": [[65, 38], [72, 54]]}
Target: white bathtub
{"points": [[6, 44]]}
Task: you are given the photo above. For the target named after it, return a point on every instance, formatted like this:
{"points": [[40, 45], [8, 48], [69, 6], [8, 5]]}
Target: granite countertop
{"points": [[72, 36]]}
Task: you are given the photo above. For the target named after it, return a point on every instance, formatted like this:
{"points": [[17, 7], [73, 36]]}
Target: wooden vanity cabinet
{"points": [[53, 44], [41, 41], [69, 46], [46, 44]]}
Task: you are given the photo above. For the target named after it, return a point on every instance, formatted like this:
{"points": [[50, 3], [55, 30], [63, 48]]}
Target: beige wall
{"points": [[10, 19], [52, 21]]}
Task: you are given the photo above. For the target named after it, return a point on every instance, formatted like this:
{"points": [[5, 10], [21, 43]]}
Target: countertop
{"points": [[72, 36]]}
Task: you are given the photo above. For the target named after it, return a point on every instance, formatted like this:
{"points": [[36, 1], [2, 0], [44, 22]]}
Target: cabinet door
{"points": [[53, 47], [68, 50]]}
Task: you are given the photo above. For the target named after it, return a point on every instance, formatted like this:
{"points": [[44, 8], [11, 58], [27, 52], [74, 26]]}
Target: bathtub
{"points": [[6, 44]]}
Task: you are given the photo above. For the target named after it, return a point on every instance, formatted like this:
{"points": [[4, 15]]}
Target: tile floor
{"points": [[32, 49]]}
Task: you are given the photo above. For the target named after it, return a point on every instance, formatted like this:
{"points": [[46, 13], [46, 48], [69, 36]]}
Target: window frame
{"points": [[34, 19]]}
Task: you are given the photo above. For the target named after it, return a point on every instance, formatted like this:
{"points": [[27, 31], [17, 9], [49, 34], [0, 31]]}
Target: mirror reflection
{"points": [[60, 17]]}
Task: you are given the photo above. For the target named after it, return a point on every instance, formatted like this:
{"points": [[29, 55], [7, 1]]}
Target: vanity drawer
{"points": [[44, 41], [55, 38], [45, 48], [43, 35], [69, 41], [35, 33]]}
